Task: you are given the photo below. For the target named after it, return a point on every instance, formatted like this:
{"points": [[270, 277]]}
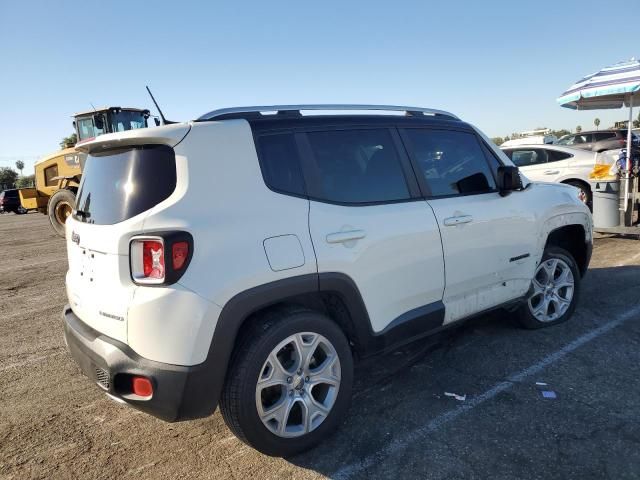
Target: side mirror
{"points": [[508, 180], [157, 122]]}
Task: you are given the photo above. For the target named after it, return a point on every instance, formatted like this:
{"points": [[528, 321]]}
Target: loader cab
{"points": [[89, 125]]}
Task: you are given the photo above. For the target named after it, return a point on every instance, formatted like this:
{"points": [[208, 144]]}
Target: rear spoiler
{"points": [[169, 135]]}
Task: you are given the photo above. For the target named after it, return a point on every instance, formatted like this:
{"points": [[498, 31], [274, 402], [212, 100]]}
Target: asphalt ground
{"points": [[54, 423]]}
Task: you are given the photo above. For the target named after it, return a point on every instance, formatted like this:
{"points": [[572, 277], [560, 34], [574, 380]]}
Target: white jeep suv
{"points": [[247, 259]]}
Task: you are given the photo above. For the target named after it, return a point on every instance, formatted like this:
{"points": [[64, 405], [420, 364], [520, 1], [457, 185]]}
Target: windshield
{"points": [[563, 140], [119, 184], [126, 120]]}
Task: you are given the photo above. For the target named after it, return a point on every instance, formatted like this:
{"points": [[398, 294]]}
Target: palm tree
{"points": [[20, 166], [596, 122]]}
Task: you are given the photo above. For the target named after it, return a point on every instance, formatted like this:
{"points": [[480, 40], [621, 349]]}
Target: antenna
{"points": [[164, 120], [94, 108]]}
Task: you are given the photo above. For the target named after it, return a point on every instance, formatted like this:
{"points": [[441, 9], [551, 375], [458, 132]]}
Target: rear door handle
{"points": [[459, 220], [551, 172], [342, 237]]}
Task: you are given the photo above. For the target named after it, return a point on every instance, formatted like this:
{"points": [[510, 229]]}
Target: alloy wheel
{"points": [[553, 289], [298, 385]]}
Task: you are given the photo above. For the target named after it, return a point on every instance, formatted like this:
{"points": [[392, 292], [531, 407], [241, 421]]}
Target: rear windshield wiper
{"points": [[83, 214]]}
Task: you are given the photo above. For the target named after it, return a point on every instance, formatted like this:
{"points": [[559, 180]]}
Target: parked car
{"points": [[598, 141], [248, 259], [554, 163], [10, 202], [530, 140]]}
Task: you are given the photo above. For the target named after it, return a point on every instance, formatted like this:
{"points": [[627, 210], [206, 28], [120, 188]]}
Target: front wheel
{"points": [[554, 290], [289, 383]]}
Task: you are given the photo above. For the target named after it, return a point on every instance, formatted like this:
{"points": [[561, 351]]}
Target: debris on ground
{"points": [[460, 398], [549, 394]]}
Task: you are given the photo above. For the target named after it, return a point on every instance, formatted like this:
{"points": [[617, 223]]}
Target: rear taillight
{"points": [[161, 259], [179, 254], [153, 259]]}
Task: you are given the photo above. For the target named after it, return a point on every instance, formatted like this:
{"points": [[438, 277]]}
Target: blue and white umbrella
{"points": [[611, 87]]}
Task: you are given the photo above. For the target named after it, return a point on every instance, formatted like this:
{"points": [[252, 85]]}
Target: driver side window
{"points": [[451, 162]]}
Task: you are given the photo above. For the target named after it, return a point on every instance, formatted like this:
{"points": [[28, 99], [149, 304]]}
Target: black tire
{"points": [[524, 314], [59, 208], [238, 399], [588, 200], [21, 210]]}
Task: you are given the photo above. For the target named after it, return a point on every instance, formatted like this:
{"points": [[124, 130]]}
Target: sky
{"points": [[499, 65]]}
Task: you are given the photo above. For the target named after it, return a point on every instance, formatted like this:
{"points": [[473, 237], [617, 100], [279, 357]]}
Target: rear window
{"points": [[10, 194], [280, 163], [357, 166], [119, 184]]}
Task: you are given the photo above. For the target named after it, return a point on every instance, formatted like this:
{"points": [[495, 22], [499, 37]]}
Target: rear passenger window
{"points": [[603, 136], [357, 166], [451, 162], [280, 163], [557, 155]]}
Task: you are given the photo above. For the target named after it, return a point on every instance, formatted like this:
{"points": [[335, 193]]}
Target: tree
{"points": [[596, 122], [560, 133], [578, 129], [8, 177], [636, 123], [69, 141], [20, 166], [498, 140], [26, 181]]}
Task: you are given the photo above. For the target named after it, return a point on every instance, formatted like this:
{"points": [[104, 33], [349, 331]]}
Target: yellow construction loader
{"points": [[57, 176]]}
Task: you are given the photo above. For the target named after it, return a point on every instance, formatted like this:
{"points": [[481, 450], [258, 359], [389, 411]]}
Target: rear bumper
{"points": [[179, 392]]}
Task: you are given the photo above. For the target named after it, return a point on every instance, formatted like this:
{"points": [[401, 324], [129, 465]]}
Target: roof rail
{"points": [[282, 109]]}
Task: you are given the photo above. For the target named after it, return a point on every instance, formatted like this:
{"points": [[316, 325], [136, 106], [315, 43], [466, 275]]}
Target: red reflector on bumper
{"points": [[142, 386]]}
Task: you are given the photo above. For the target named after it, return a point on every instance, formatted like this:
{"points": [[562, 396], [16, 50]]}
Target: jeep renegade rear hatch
{"points": [[119, 184]]}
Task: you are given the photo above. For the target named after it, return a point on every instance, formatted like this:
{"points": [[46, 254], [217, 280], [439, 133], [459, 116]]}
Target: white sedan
{"points": [[553, 163]]}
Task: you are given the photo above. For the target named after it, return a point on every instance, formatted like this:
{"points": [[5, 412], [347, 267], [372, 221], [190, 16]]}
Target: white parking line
{"points": [[402, 442]]}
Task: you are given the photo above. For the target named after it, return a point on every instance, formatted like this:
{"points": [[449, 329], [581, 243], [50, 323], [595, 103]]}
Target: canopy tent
{"points": [[612, 87]]}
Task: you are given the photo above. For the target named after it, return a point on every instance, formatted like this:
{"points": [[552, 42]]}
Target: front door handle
{"points": [[551, 172], [459, 220], [343, 237]]}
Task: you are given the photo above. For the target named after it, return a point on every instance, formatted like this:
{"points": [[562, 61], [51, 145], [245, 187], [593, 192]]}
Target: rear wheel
{"points": [[584, 193], [554, 290], [289, 384], [59, 209], [21, 210]]}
